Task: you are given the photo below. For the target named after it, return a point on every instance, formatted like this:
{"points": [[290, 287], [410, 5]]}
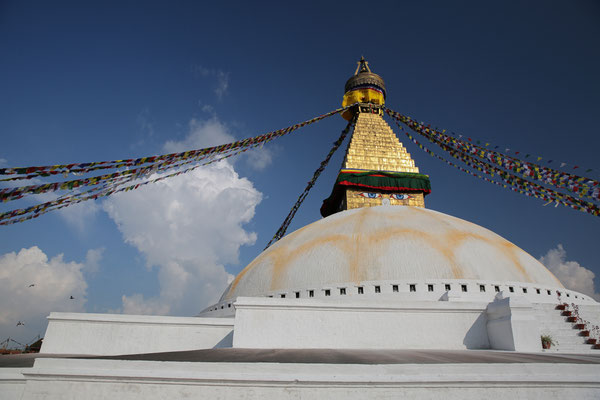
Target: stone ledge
{"points": [[317, 374], [139, 319]]}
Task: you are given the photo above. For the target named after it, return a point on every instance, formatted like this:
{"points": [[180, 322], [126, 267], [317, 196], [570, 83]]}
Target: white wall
{"points": [[420, 290], [113, 334], [127, 380], [12, 383], [366, 324], [512, 324]]}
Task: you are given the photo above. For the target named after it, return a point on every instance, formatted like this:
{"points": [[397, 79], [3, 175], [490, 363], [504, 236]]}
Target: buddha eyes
{"points": [[392, 196], [370, 195], [400, 196]]}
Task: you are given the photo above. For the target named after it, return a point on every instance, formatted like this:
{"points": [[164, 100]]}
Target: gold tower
{"points": [[377, 169]]}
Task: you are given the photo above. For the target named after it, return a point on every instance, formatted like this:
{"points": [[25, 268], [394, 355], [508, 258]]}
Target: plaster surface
{"points": [[512, 324], [108, 334], [375, 324], [60, 379], [387, 243]]}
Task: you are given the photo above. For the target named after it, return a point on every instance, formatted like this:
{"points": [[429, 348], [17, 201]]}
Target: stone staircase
{"points": [[566, 335]]}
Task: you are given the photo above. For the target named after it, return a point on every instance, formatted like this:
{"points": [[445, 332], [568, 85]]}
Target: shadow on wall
{"points": [[477, 336], [227, 341]]}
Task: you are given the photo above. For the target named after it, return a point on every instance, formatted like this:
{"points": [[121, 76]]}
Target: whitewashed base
{"points": [[114, 334], [12, 383], [56, 379]]}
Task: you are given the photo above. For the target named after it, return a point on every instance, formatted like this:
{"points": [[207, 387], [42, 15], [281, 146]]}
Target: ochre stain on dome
{"points": [[280, 251], [431, 240], [387, 243], [355, 262], [243, 272], [352, 246], [456, 237], [349, 245], [506, 248], [283, 257]]}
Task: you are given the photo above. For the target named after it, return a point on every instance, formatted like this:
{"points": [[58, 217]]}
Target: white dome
{"points": [[387, 243]]}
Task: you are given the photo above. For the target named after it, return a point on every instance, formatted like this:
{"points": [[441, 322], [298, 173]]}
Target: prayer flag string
{"points": [[511, 181], [514, 189], [108, 184], [80, 168], [286, 223], [558, 164], [93, 194], [581, 186]]}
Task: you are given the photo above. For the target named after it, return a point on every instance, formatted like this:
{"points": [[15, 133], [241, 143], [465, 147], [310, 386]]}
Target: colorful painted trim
{"points": [[384, 188], [372, 87], [376, 180], [385, 181]]}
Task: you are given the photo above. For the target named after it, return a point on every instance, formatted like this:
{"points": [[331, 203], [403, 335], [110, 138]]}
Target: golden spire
{"points": [[377, 169], [362, 66], [374, 146], [363, 87]]}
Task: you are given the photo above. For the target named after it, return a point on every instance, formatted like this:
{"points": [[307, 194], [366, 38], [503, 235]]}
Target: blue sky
{"points": [[87, 81]]}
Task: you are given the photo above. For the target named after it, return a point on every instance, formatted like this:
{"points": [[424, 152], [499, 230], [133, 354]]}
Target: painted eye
{"points": [[401, 196], [370, 195]]}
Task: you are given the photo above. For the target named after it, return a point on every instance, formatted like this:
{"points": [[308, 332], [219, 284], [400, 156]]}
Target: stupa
{"points": [[381, 298]]}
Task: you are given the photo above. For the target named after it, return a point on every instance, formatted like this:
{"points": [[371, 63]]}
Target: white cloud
{"points": [[92, 260], [221, 78], [146, 131], [213, 132], [3, 162], [54, 281], [202, 133], [77, 216], [80, 215], [259, 158], [137, 305], [572, 275], [207, 108], [222, 84], [145, 123], [190, 227]]}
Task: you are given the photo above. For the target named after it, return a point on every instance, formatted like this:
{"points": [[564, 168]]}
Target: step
{"points": [[553, 323], [569, 342], [554, 318], [564, 343], [560, 331], [568, 330], [582, 345], [558, 320], [558, 323], [575, 351]]}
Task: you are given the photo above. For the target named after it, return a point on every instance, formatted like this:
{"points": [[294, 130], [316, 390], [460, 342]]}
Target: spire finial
{"points": [[363, 87], [363, 66]]}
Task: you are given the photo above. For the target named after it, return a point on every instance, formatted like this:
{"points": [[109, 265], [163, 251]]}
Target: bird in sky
{"points": [[20, 323], [71, 297], [32, 285]]}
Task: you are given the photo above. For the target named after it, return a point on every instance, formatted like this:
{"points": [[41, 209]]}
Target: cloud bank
{"points": [[189, 226], [201, 133], [32, 286], [213, 132], [219, 77], [572, 275]]}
